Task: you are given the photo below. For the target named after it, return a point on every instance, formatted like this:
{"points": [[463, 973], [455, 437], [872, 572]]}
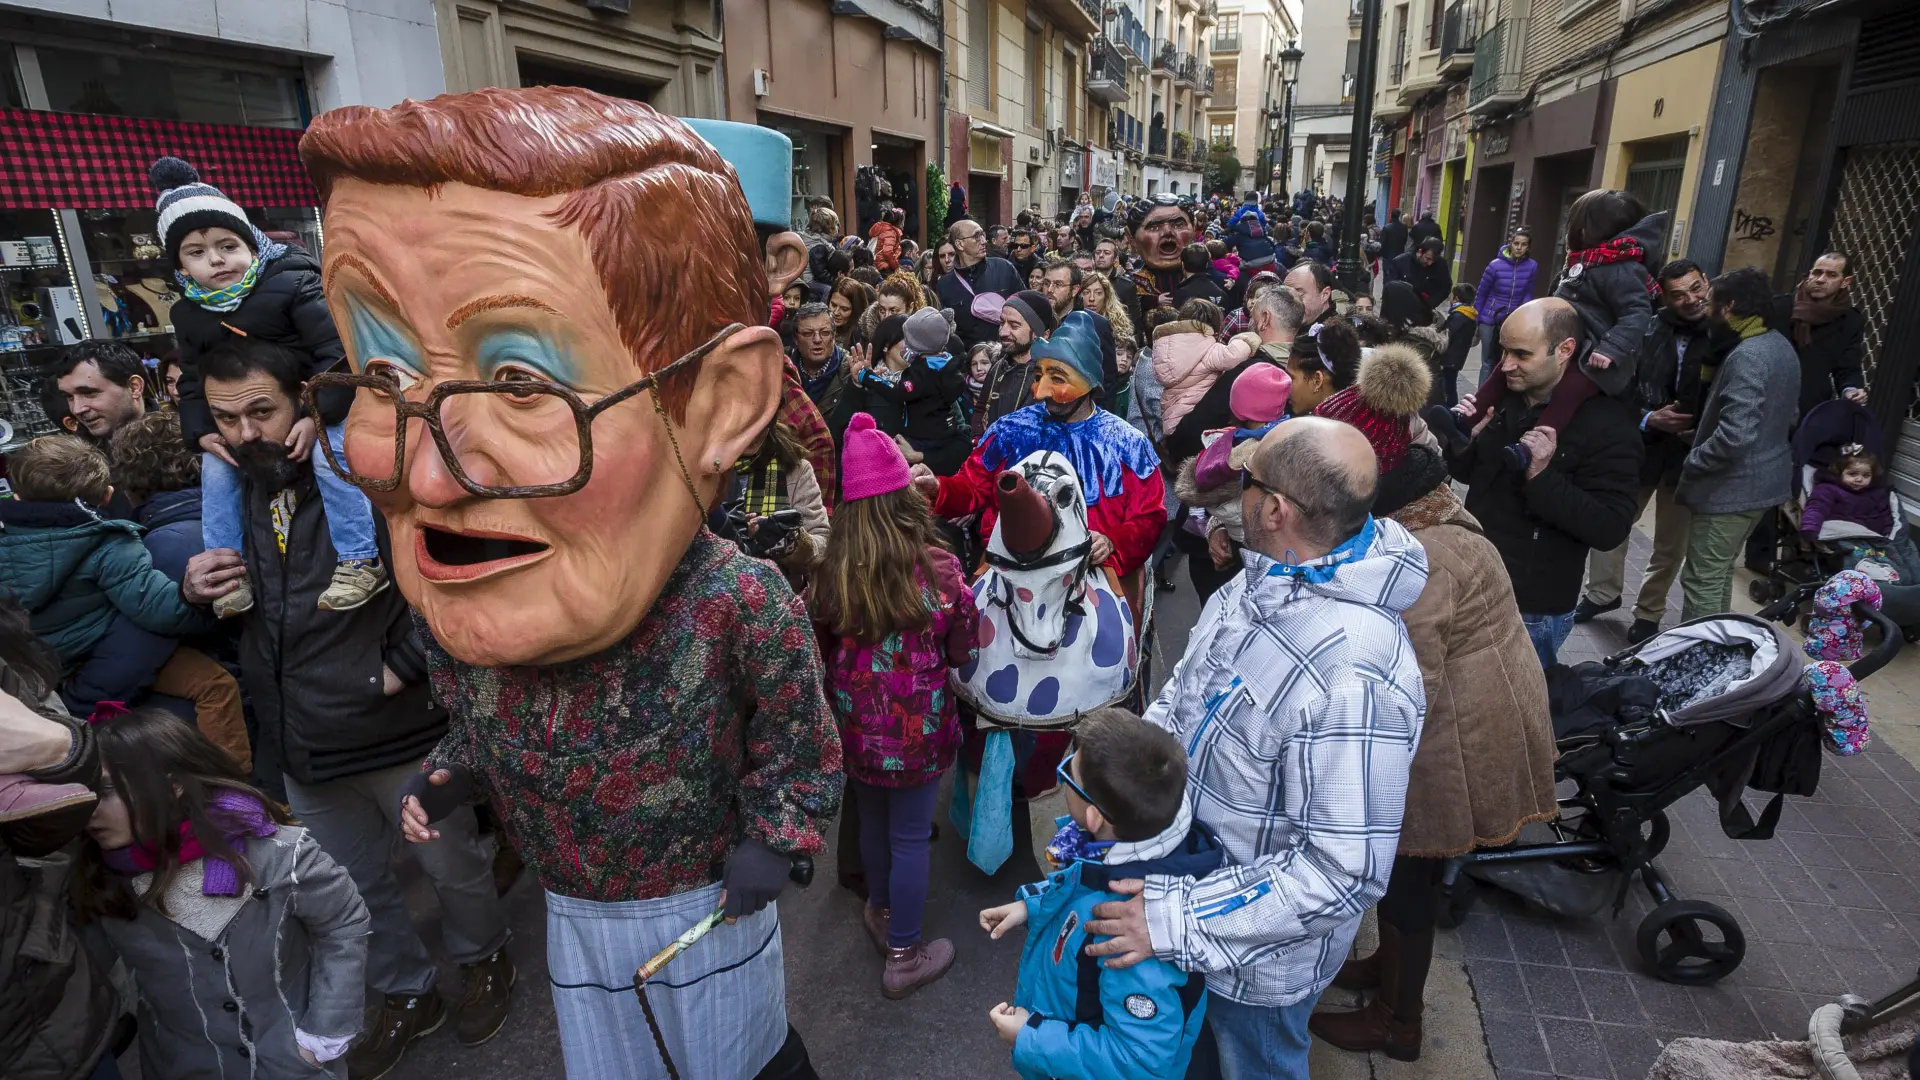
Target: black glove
{"points": [[754, 876], [439, 800]]}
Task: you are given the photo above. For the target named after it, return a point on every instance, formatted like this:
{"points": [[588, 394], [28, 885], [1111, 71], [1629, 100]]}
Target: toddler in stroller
{"points": [[1717, 703]]}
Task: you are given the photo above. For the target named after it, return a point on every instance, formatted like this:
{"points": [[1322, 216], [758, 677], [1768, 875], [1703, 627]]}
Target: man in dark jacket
{"points": [[344, 710], [1825, 329], [1580, 488], [1026, 317], [1424, 230], [974, 274], [1683, 347], [1426, 271], [1393, 241], [1023, 251]]}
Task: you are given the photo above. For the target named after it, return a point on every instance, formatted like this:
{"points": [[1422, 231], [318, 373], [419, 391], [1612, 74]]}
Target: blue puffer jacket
{"points": [[1504, 285], [1091, 1022], [73, 570], [1247, 235]]}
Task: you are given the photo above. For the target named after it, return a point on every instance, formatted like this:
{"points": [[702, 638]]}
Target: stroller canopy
{"points": [[1721, 668]]}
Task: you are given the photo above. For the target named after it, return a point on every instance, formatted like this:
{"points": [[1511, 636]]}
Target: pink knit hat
{"points": [[1260, 393], [870, 463]]}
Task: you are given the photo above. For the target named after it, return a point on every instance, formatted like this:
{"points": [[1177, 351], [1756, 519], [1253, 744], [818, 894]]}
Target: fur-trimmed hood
{"points": [[1430, 338], [1189, 490], [1394, 380]]}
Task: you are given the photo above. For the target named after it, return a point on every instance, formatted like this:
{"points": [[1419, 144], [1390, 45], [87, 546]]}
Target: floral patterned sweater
{"points": [[633, 774], [898, 722]]}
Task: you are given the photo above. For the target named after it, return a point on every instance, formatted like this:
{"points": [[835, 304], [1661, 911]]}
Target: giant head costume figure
{"points": [[1161, 226], [535, 288]]}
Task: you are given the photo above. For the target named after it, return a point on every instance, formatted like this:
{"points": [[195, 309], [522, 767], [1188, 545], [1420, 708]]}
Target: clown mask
{"points": [[1061, 387]]}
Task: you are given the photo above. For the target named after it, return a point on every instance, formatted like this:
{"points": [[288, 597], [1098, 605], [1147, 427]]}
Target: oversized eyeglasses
{"points": [[536, 432]]}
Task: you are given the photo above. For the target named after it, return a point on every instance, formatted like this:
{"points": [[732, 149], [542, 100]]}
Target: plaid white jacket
{"points": [[1299, 703]]}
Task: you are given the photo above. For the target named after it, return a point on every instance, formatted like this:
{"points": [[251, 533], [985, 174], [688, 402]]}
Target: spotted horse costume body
{"points": [[1057, 639]]}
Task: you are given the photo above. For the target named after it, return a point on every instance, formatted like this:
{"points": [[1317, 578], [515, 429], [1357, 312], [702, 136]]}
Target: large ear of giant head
{"points": [[575, 245]]}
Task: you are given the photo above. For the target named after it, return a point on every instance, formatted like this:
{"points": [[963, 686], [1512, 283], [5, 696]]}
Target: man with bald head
{"points": [[1580, 490], [1299, 702]]}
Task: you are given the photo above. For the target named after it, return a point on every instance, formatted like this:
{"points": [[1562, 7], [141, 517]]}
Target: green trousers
{"points": [[1714, 543]]}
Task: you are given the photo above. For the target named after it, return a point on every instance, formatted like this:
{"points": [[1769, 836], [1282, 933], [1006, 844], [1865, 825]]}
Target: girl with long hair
{"points": [[893, 613], [1097, 296], [247, 942], [848, 301]]}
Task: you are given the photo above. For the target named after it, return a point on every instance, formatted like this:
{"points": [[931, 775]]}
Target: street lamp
{"points": [[1289, 75], [1352, 273]]}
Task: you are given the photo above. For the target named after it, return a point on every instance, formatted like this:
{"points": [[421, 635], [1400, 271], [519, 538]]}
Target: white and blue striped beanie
{"points": [[187, 205]]}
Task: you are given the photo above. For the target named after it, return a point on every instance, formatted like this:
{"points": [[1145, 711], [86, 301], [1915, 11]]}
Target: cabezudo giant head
{"points": [[509, 269]]}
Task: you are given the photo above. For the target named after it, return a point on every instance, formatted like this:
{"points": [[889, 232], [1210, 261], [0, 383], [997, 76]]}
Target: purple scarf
{"points": [[242, 815]]}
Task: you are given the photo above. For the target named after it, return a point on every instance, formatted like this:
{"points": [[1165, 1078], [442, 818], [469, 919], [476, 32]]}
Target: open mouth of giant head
{"points": [[445, 555]]}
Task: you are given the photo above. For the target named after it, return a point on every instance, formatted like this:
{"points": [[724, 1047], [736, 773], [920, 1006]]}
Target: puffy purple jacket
{"points": [[1506, 284]]}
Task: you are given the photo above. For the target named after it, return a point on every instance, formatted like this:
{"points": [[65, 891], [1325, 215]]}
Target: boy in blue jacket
{"points": [[1073, 1018]]}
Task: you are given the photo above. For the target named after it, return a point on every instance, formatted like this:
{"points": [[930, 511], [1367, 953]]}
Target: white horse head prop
{"points": [[1055, 638]]}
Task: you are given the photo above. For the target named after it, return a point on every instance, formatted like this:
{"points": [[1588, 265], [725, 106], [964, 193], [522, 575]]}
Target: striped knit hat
{"points": [[187, 205]]}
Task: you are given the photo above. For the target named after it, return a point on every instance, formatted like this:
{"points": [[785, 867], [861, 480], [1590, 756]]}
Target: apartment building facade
{"points": [[1248, 107]]}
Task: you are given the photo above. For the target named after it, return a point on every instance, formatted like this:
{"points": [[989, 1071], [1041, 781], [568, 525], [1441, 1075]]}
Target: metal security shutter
{"points": [[1876, 217], [980, 53]]}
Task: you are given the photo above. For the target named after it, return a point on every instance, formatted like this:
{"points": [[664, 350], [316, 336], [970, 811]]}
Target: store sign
{"points": [[1495, 141], [86, 161], [1456, 140], [1071, 168], [1106, 171]]}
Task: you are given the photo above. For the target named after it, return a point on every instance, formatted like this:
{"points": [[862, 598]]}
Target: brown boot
{"points": [[876, 920], [484, 1000], [403, 1018], [1390, 1022], [915, 966], [1359, 974]]}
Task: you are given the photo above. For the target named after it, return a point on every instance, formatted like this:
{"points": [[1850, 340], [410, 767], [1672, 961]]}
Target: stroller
{"points": [[1797, 562], [1715, 702]]}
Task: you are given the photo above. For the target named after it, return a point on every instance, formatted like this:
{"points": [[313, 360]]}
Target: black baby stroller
{"points": [[1714, 702]]}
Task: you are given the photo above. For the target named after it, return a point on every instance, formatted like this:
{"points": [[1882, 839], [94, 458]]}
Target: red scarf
{"points": [[1809, 313], [1622, 248]]}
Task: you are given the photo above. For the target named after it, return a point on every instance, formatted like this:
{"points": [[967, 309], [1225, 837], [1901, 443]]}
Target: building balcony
{"points": [[1186, 71], [1157, 144], [1107, 76], [1208, 14], [1182, 145], [1187, 5], [1080, 19], [1226, 43], [1205, 88], [1499, 65], [1456, 39], [1164, 57], [903, 18]]}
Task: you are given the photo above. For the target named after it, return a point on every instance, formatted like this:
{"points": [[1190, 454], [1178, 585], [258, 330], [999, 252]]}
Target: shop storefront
{"points": [[80, 256], [1528, 171]]}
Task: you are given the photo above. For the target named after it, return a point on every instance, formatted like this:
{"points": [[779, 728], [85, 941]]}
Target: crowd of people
{"points": [[217, 714]]}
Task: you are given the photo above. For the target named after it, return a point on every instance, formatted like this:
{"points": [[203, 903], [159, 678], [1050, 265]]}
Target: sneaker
{"points": [[915, 966], [403, 1018], [1587, 610], [876, 920], [355, 582], [485, 999], [1641, 630], [234, 603]]}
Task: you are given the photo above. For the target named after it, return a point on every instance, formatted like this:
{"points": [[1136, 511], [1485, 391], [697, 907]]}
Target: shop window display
{"points": [[39, 312]]}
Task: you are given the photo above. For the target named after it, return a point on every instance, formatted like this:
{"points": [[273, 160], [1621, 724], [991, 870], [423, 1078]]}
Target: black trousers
{"points": [[1413, 894]]}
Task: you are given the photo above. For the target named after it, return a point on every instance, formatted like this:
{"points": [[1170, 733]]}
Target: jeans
{"points": [[1548, 633], [355, 820], [1252, 1042], [1489, 352], [895, 825], [349, 514], [1714, 542]]}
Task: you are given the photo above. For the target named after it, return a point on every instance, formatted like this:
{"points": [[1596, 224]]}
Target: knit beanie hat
{"points": [[1075, 343], [1036, 309], [870, 463], [186, 205], [1260, 393], [1392, 385], [926, 332]]}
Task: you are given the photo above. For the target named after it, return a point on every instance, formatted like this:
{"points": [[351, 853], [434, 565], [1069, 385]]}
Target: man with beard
{"points": [[1117, 468], [1423, 269], [974, 274], [1682, 348], [344, 712], [1027, 317], [1161, 227]]}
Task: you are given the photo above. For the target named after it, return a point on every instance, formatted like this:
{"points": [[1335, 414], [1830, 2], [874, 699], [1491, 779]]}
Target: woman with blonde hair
{"points": [[1097, 296]]}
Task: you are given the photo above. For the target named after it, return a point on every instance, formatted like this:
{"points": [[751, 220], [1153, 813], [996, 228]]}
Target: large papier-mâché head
{"points": [[550, 236]]}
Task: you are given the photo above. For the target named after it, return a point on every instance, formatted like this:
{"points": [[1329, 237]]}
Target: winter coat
{"points": [[1462, 332], [1247, 236], [58, 1007], [957, 289], [1666, 376], [286, 307], [1585, 499], [886, 246], [1741, 458], [1199, 287], [1009, 388], [1430, 283], [926, 394], [1393, 243], [1615, 304], [1505, 284], [1423, 230], [1227, 266], [74, 570], [899, 722], [314, 676], [1089, 1021], [226, 980], [1187, 359], [1485, 764], [1832, 362], [1831, 500], [172, 521]]}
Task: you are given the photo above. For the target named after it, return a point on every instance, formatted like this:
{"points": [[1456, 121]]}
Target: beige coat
{"points": [[1485, 763]]}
